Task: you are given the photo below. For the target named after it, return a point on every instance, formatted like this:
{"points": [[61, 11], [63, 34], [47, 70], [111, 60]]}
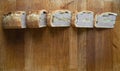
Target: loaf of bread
{"points": [[83, 19], [37, 19], [105, 20], [14, 20], [60, 18]]}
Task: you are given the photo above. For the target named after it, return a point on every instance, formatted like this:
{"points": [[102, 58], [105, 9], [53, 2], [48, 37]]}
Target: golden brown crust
{"points": [[32, 22], [12, 20], [33, 18], [49, 19], [74, 18], [96, 20]]}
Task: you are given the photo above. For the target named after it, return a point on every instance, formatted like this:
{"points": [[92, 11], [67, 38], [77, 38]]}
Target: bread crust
{"points": [[12, 20], [33, 18], [74, 19]]}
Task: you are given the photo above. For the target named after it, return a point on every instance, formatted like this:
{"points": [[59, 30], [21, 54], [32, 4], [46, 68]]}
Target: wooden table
{"points": [[60, 49]]}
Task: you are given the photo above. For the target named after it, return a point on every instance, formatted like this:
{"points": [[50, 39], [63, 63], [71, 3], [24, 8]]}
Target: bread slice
{"points": [[60, 18], [14, 20], [105, 20], [84, 19], [37, 19]]}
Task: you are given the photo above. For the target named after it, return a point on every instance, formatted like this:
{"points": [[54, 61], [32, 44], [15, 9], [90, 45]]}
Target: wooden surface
{"points": [[60, 49]]}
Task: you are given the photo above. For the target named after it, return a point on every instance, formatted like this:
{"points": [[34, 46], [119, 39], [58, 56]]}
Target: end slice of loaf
{"points": [[14, 20]]}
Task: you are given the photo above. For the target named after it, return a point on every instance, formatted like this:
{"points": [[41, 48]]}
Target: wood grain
{"points": [[81, 42], [60, 49], [116, 39], [116, 60], [103, 55], [116, 48]]}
